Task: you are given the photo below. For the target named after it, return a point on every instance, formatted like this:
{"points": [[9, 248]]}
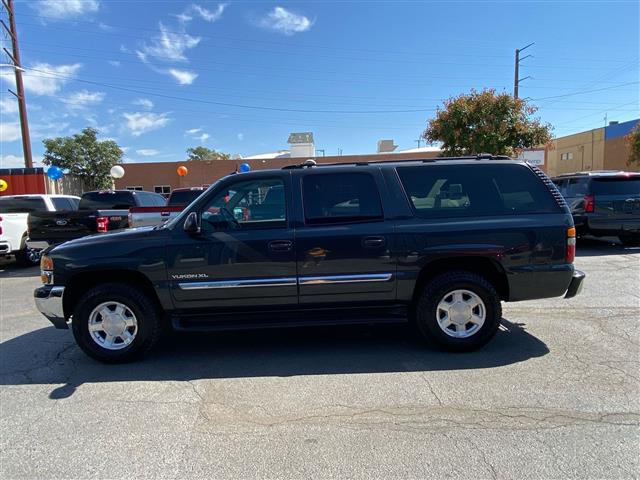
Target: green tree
{"points": [[204, 153], [84, 156], [486, 122], [633, 140]]}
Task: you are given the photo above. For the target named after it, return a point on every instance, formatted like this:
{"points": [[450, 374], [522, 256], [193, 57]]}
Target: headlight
{"points": [[46, 270]]}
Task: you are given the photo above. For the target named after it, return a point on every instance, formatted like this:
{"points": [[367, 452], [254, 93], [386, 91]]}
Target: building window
{"points": [[162, 189], [135, 187], [566, 156]]}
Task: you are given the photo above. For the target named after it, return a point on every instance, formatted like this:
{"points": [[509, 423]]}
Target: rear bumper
{"points": [[37, 244], [48, 300], [575, 287], [607, 226]]}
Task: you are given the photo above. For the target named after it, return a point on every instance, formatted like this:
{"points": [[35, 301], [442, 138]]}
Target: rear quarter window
{"points": [[462, 190]]}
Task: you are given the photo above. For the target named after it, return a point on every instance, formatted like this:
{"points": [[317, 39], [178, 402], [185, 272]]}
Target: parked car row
{"points": [[14, 214]]}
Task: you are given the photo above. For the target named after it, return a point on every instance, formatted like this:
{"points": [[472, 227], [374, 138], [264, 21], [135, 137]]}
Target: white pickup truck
{"points": [[14, 211]]}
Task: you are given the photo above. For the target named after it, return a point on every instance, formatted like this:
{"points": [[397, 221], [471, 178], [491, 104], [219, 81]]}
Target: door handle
{"points": [[373, 242], [280, 245]]}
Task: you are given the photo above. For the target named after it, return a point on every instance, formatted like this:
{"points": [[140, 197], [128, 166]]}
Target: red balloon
{"points": [[182, 171]]}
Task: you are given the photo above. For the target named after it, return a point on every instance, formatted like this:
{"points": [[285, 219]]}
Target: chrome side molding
{"points": [[255, 282], [368, 277]]}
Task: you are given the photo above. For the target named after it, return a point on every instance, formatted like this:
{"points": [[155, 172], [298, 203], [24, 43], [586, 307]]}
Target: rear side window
{"points": [[338, 198], [615, 186], [441, 191], [577, 187], [106, 201], [61, 203], [184, 197], [21, 204]]}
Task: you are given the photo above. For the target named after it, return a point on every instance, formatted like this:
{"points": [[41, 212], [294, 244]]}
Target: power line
{"points": [[585, 91]]}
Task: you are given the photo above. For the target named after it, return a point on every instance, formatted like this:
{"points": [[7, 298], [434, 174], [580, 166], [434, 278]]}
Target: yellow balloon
{"points": [[3, 185]]}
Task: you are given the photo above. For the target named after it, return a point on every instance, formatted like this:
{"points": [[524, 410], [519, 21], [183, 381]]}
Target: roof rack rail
{"points": [[307, 163]]}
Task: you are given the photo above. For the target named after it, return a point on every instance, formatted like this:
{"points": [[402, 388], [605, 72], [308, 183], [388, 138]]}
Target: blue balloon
{"points": [[245, 167], [55, 173]]}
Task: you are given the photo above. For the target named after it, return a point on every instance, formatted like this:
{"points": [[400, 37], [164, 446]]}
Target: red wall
{"points": [[23, 180]]}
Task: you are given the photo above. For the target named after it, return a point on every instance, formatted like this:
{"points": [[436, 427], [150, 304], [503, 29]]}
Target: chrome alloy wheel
{"points": [[461, 313], [112, 325]]}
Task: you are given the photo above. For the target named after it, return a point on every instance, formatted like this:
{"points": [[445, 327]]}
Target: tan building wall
{"points": [[616, 154], [576, 153], [152, 174]]}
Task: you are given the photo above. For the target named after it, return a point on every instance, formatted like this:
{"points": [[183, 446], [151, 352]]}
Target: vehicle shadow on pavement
{"points": [[49, 356], [13, 270]]}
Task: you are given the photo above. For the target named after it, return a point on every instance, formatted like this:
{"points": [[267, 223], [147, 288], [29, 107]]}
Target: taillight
{"points": [[589, 204], [102, 224], [571, 244]]}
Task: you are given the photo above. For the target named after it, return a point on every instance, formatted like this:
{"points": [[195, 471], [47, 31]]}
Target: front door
{"points": [[343, 244], [244, 257]]}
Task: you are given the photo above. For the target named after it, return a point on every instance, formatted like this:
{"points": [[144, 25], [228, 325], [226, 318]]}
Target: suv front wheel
{"points": [[116, 323], [458, 311]]}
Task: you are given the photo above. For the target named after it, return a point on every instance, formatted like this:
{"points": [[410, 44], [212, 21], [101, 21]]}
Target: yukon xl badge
{"points": [[189, 276]]}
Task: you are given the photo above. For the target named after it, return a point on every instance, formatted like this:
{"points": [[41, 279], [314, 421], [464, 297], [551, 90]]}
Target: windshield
{"points": [[106, 201], [616, 186], [21, 204]]}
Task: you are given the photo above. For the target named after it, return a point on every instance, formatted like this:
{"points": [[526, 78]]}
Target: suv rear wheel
{"points": [[116, 323], [458, 311]]}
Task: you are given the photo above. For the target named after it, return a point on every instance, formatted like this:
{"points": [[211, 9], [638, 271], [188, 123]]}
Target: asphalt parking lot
{"points": [[555, 395]]}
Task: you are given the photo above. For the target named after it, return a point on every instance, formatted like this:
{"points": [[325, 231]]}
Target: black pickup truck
{"points": [[438, 242], [604, 203], [98, 212]]}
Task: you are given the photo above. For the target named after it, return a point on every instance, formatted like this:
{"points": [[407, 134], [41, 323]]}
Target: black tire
{"points": [[631, 240], [149, 322], [435, 291]]}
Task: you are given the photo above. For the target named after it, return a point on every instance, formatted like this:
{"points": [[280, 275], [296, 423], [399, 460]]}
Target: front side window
{"points": [[442, 191], [247, 204], [339, 198]]}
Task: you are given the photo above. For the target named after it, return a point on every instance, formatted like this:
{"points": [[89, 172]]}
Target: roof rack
{"points": [[311, 163]]}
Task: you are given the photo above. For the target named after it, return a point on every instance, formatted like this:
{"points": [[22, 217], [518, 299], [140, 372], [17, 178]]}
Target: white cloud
{"points": [[17, 161], [204, 137], [115, 63], [10, 131], [168, 46], [193, 131], [284, 21], [147, 152], [63, 9], [8, 105], [84, 98], [209, 15], [44, 78], [143, 122], [241, 136], [11, 161], [204, 13], [144, 103], [184, 77]]}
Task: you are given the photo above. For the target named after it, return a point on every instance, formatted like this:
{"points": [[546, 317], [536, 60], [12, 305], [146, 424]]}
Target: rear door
{"points": [[343, 241]]}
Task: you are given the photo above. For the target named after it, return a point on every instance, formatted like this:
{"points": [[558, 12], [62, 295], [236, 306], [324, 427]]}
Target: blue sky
{"points": [[159, 77]]}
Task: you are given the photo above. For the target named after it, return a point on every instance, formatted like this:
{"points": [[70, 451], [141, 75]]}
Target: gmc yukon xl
{"points": [[440, 243]]}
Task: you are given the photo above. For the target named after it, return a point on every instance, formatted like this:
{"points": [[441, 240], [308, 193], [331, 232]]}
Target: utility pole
{"points": [[17, 67], [516, 77], [418, 141]]}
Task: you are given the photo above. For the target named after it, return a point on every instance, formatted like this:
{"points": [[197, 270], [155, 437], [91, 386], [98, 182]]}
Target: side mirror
{"points": [[191, 224]]}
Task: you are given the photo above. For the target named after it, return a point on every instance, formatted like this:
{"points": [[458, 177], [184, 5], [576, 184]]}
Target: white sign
{"points": [[533, 157]]}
